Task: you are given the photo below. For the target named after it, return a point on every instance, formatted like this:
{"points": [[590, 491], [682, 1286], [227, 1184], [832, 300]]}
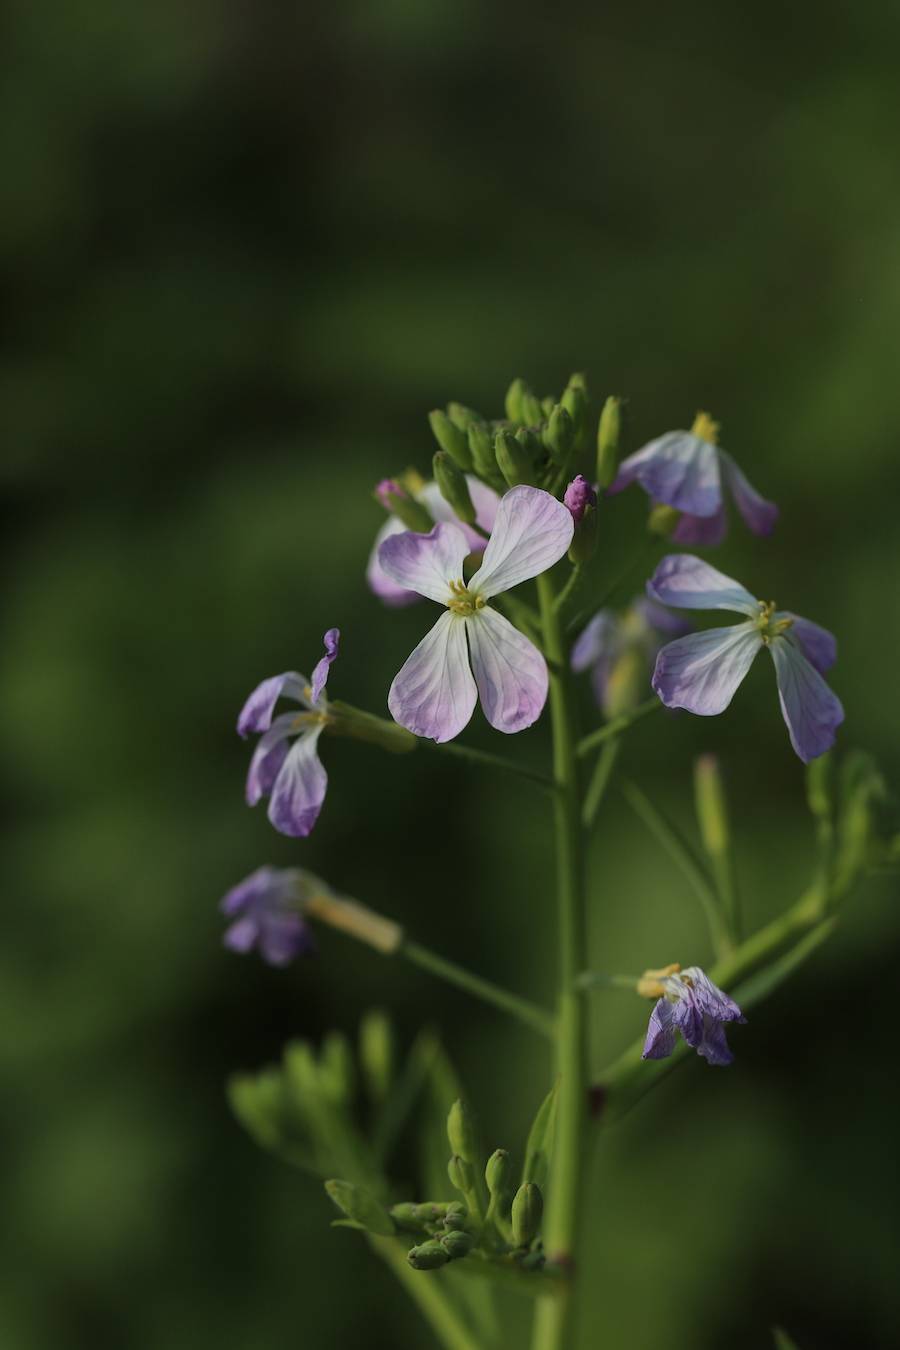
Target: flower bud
{"points": [[575, 401], [498, 1172], [428, 1256], [460, 1174], [581, 499], [457, 1244], [405, 1216], [522, 406], [462, 1132], [451, 438], [361, 1208], [559, 434], [481, 448], [608, 442], [527, 1210], [461, 416], [457, 1216], [430, 1212], [579, 496], [454, 489], [662, 520], [626, 683], [397, 500], [513, 459]]}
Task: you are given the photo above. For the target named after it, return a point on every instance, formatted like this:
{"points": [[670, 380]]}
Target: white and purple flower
{"points": [[692, 1004], [473, 650], [484, 499], [265, 909], [687, 470], [291, 775], [619, 650], [701, 672]]}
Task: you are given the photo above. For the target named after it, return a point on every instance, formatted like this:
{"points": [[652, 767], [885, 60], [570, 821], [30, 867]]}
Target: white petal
{"points": [[380, 583], [701, 672], [434, 694], [426, 563], [510, 672], [687, 582], [531, 533]]}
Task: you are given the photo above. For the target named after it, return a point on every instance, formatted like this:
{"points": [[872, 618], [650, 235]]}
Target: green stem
{"points": [[606, 762], [552, 1317], [429, 1293], [488, 760], [525, 1011], [617, 726]]}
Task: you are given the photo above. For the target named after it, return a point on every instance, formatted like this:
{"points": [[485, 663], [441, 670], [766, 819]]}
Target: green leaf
{"points": [[539, 1149]]}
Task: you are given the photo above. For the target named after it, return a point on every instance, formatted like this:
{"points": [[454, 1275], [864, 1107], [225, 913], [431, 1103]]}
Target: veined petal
{"points": [[484, 499], [680, 469], [319, 679], [660, 1040], [701, 531], [713, 1044], [710, 999], [299, 790], [434, 694], [379, 582], [268, 757], [256, 714], [531, 533], [817, 644], [700, 672], [426, 563], [687, 582], [758, 514], [596, 642], [510, 672], [812, 712]]}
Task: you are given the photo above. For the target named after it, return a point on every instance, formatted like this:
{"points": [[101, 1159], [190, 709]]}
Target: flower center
{"points": [[309, 719], [770, 627], [464, 601]]}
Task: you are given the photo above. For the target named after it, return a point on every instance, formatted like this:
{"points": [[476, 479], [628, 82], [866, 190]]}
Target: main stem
{"points": [[552, 1317]]}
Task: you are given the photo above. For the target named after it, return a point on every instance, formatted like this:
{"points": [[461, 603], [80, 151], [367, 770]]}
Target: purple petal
{"points": [[256, 714], [710, 999], [319, 679], [713, 1044], [660, 1041], [484, 499], [380, 583], [268, 757], [532, 532], [687, 582], [578, 496], [284, 936], [679, 469], [662, 619], [510, 672], [701, 672], [596, 642], [242, 897], [812, 712], [434, 694], [688, 1018], [701, 531], [299, 790], [241, 936], [817, 644], [758, 514], [426, 563]]}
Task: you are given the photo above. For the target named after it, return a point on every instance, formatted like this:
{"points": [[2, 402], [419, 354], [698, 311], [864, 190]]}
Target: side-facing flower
{"points": [[266, 913], [619, 650], [485, 501], [686, 470], [702, 671], [473, 650], [291, 775], [689, 1002]]}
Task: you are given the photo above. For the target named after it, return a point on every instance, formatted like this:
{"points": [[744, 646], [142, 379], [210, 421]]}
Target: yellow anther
{"points": [[464, 601], [706, 428], [650, 985]]}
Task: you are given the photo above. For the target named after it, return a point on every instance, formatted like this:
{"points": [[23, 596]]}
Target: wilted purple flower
{"points": [[619, 649], [692, 1004], [435, 693], [292, 776], [485, 501], [685, 469], [578, 496], [702, 671], [265, 909]]}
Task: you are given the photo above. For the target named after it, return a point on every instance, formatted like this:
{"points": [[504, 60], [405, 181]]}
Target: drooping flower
{"points": [[578, 496], [473, 650], [485, 501], [689, 1002], [266, 913], [686, 470], [702, 671], [620, 649], [291, 775]]}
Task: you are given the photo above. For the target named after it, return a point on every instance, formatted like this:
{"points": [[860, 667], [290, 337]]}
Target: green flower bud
{"points": [[462, 1132], [451, 438], [461, 416], [361, 1208], [481, 448], [460, 1174], [608, 442], [574, 400], [513, 459], [662, 520], [498, 1173], [515, 395], [406, 1217], [559, 434], [527, 1210], [457, 1244], [547, 405], [430, 1213], [457, 1216], [428, 1256], [530, 441], [454, 489], [397, 500], [376, 1053]]}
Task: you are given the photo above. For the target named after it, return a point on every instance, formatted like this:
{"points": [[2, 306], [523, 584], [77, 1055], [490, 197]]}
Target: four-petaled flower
{"points": [[619, 650], [434, 694], [265, 909], [292, 775], [485, 501], [702, 671], [690, 1003], [685, 470]]}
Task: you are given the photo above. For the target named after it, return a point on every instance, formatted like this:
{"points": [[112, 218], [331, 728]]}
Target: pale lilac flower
{"points": [[473, 650], [702, 671], [687, 472], [612, 645], [291, 775], [485, 501], [696, 1007], [265, 909], [578, 496]]}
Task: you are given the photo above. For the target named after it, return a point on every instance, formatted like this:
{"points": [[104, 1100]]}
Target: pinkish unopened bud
{"points": [[579, 495], [387, 488]]}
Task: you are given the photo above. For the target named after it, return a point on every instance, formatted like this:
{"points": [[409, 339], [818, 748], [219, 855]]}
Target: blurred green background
{"points": [[244, 249]]}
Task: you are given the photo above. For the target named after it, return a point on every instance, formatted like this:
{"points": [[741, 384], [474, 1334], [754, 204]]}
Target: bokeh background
{"points": [[244, 249]]}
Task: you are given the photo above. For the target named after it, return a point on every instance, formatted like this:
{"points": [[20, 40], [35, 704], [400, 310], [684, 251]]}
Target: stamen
{"points": [[464, 602]]}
